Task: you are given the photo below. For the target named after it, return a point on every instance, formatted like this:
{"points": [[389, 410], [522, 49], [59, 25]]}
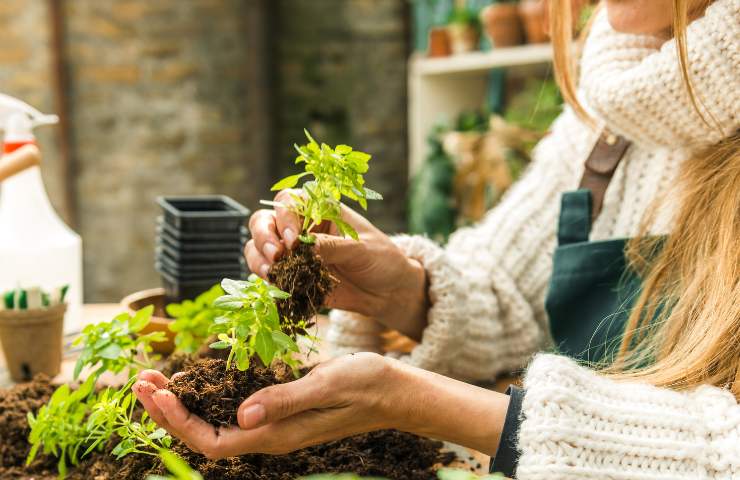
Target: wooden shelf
{"points": [[482, 61], [442, 88]]}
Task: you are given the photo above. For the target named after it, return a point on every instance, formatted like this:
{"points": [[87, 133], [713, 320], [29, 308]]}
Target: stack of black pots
{"points": [[200, 241]]}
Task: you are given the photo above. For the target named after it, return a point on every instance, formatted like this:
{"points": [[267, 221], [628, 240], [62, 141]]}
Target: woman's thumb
{"points": [[336, 250], [275, 403]]}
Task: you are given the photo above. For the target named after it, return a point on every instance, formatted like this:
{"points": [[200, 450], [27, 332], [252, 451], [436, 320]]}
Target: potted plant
{"points": [[463, 30], [502, 24], [31, 326], [534, 18]]}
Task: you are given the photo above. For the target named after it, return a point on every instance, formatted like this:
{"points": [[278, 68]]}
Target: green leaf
{"points": [[265, 346], [343, 149], [284, 342], [308, 239], [220, 345], [111, 352], [232, 287], [228, 302], [288, 182], [178, 467], [157, 434], [141, 318]]}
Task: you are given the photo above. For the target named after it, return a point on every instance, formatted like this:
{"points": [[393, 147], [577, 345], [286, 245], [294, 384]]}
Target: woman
{"points": [[655, 119]]}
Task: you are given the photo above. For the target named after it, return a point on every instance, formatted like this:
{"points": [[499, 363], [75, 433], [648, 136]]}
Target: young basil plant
{"points": [[114, 345], [251, 324], [59, 426], [193, 319], [113, 413], [337, 172]]}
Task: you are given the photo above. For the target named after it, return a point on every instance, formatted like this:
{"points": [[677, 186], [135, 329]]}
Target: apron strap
{"points": [[575, 217], [601, 164]]}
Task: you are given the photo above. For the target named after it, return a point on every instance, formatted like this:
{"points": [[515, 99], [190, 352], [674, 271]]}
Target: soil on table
{"points": [[304, 275], [388, 453]]}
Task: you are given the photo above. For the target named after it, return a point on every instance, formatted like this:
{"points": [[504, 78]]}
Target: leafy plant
{"points": [[337, 172], [251, 324], [113, 413], [59, 426], [114, 345], [455, 474], [178, 467], [193, 319]]}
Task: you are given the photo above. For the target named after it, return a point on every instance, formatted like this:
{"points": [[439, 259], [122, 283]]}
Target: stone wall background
{"points": [[202, 96]]}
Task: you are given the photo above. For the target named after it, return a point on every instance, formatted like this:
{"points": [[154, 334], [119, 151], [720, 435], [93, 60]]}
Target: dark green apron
{"points": [[591, 289]]}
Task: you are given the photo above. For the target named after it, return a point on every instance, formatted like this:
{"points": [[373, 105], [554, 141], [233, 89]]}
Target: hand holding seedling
{"points": [[373, 276], [345, 396]]}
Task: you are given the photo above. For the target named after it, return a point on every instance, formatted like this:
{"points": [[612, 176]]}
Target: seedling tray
{"points": [[164, 227], [204, 214], [234, 246]]}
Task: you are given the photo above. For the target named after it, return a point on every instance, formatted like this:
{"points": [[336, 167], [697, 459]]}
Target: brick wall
{"points": [[203, 96], [342, 74]]}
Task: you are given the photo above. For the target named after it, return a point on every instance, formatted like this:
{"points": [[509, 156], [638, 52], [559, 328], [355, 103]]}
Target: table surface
{"points": [[93, 313]]}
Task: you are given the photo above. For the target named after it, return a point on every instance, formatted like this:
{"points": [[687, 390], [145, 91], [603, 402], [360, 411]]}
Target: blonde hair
{"points": [[684, 329]]}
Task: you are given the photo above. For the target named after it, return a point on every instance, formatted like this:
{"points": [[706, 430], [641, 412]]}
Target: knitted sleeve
{"points": [[578, 424], [634, 82], [487, 287]]}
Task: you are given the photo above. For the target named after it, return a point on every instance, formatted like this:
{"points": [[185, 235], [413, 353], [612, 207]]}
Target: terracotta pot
{"points": [[502, 24], [439, 42], [159, 322], [32, 341], [463, 38], [534, 17]]}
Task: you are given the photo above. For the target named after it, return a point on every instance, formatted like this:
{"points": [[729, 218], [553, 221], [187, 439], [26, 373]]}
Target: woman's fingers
{"points": [[262, 225], [288, 223], [277, 402], [256, 260], [144, 392]]}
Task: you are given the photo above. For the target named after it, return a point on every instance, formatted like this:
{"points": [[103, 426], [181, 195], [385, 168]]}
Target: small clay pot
{"points": [[464, 38], [32, 341], [502, 24], [439, 43], [159, 321], [533, 15]]}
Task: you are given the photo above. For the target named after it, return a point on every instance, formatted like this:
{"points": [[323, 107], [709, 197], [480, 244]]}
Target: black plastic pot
{"points": [[232, 246], [230, 255], [176, 290], [164, 228], [189, 270], [204, 214]]}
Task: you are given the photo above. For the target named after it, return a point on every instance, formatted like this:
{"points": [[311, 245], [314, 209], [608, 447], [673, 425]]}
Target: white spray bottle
{"points": [[36, 247]]}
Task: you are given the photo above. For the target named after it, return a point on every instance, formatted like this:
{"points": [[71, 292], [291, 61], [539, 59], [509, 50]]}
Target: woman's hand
{"points": [[348, 395], [375, 278]]}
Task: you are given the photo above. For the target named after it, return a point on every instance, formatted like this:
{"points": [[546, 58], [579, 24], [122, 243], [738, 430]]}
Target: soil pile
{"points": [[303, 274], [212, 392]]}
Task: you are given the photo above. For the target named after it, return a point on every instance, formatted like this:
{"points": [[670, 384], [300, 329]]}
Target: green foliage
{"points": [[113, 413], [454, 474], [178, 468], [114, 345], [193, 319], [251, 323], [337, 172], [464, 16], [59, 426]]}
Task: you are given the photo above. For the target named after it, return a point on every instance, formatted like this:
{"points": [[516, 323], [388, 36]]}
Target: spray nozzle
{"points": [[18, 119]]}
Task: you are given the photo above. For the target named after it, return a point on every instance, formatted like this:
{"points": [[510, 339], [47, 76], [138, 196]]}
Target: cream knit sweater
{"points": [[488, 285]]}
